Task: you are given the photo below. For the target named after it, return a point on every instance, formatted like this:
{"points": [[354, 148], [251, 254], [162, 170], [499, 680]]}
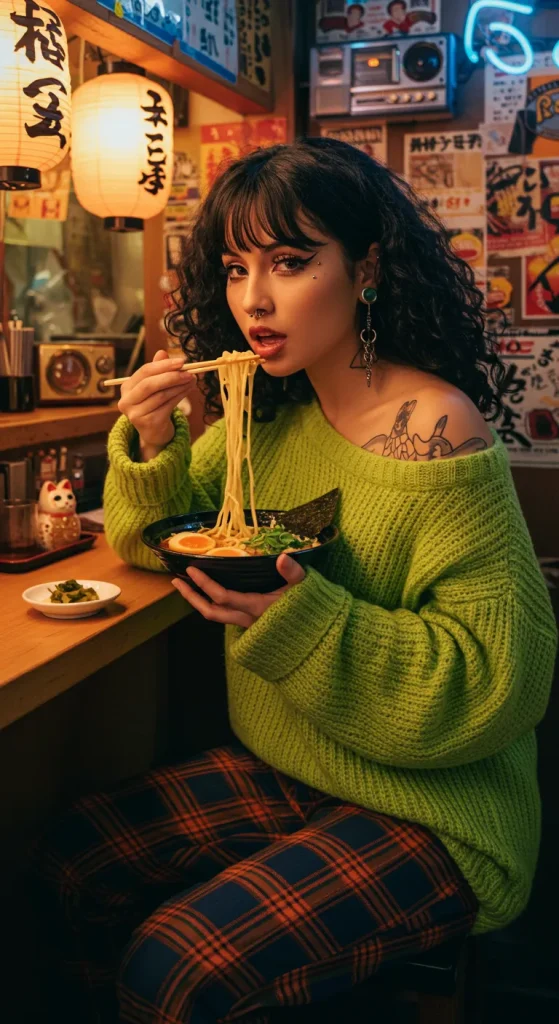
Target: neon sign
{"points": [[510, 30]]}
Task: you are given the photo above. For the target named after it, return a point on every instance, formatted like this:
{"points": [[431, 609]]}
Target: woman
{"points": [[382, 796]]}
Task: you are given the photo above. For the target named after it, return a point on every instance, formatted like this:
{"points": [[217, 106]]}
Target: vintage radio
{"points": [[406, 78], [74, 372]]}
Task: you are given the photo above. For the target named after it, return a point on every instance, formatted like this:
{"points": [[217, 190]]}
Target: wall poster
{"points": [[370, 139], [255, 42], [222, 143], [520, 114], [516, 193], [529, 426], [447, 168], [338, 21]]}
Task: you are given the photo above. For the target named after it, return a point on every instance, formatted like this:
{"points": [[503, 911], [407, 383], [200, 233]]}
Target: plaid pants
{"points": [[216, 889]]}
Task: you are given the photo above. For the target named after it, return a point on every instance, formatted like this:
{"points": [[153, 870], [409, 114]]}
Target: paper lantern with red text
{"points": [[35, 98], [122, 146]]}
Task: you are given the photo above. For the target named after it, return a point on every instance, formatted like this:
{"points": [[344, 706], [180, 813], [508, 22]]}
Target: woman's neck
{"points": [[342, 390]]}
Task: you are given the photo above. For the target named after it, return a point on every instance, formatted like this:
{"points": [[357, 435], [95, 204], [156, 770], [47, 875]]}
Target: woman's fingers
{"points": [[153, 385], [213, 612], [156, 404], [252, 604]]}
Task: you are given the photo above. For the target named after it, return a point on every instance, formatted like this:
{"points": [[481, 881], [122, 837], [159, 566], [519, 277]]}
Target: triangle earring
{"points": [[368, 335]]}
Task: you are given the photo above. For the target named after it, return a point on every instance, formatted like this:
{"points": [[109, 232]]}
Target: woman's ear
{"points": [[368, 268]]}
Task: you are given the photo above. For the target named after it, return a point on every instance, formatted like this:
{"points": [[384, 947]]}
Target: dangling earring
{"points": [[368, 335]]}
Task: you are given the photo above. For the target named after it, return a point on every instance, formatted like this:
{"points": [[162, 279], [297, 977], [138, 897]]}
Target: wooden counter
{"points": [[42, 657], [54, 423]]}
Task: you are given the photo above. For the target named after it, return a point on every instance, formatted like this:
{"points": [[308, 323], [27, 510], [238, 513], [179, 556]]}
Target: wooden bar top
{"points": [[42, 657]]}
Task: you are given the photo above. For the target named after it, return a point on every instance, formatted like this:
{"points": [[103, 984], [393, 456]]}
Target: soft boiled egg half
{"points": [[190, 543]]}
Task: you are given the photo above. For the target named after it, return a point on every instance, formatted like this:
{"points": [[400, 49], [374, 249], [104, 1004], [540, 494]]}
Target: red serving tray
{"points": [[34, 560]]}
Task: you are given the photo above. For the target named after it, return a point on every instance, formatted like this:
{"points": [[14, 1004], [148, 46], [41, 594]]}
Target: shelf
{"points": [[100, 27], [54, 423]]}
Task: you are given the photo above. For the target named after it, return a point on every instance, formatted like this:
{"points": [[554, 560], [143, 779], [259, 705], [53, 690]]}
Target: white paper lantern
{"points": [[35, 98], [122, 146]]}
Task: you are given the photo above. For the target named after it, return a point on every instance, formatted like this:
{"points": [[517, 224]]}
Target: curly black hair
{"points": [[429, 314]]}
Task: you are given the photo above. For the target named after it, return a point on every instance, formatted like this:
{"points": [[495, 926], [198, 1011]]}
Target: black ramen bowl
{"points": [[256, 574]]}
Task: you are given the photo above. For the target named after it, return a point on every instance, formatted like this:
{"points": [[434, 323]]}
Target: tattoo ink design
{"points": [[399, 444]]}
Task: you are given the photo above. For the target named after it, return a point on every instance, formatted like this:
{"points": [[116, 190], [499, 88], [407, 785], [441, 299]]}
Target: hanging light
{"points": [[34, 93], [122, 146]]}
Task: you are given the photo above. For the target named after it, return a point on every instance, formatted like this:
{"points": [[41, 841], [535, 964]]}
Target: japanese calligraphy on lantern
{"points": [[370, 139], [222, 143], [255, 42], [153, 180], [35, 130], [529, 425], [347, 22], [209, 35], [447, 169], [521, 196]]}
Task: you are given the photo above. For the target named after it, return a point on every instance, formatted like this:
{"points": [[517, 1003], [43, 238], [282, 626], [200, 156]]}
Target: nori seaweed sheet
{"points": [[309, 519]]}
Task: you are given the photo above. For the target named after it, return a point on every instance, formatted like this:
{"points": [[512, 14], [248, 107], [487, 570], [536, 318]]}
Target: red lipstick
{"points": [[266, 342]]}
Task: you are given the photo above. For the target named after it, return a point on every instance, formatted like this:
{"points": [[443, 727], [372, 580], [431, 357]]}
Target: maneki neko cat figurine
{"points": [[57, 520]]}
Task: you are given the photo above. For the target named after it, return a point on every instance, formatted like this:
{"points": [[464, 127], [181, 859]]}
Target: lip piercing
{"points": [[314, 277]]}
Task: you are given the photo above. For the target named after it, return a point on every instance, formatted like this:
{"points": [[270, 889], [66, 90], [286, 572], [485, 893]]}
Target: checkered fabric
{"points": [[216, 889]]}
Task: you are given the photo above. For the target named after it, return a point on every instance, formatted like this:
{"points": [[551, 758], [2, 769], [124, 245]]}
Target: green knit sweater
{"points": [[408, 674]]}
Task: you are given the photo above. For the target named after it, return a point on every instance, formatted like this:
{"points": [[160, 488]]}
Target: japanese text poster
{"points": [[447, 168], [210, 35], [529, 426], [222, 143], [370, 139], [516, 193], [344, 22], [520, 110], [255, 42]]}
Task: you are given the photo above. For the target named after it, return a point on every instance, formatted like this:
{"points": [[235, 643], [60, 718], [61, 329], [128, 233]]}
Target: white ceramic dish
{"points": [[39, 598]]}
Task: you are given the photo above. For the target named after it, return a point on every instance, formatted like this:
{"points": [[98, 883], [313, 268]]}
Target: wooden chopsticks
{"points": [[211, 364]]}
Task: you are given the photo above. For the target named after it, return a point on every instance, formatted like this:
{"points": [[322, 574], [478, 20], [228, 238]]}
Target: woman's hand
{"points": [[150, 396], [230, 606]]}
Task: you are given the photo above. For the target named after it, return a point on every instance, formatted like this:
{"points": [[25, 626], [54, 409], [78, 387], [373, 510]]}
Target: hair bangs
{"points": [[264, 208]]}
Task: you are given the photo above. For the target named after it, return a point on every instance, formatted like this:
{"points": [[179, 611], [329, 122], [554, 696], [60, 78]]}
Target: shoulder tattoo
{"points": [[400, 445]]}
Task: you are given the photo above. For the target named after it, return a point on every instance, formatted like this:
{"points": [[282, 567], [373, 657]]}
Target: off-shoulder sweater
{"points": [[407, 674]]}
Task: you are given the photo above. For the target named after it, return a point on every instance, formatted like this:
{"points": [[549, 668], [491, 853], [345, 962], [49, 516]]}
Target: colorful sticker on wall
{"points": [[370, 139], [338, 21], [220, 144], [128, 10], [255, 42], [529, 425], [499, 295], [447, 169], [540, 284], [467, 238], [50, 202], [184, 199]]}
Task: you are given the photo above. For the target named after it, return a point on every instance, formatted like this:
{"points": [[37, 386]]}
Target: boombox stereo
{"points": [[396, 78], [74, 372]]}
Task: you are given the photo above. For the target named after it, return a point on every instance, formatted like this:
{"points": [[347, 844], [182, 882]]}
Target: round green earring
{"points": [[369, 295]]}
